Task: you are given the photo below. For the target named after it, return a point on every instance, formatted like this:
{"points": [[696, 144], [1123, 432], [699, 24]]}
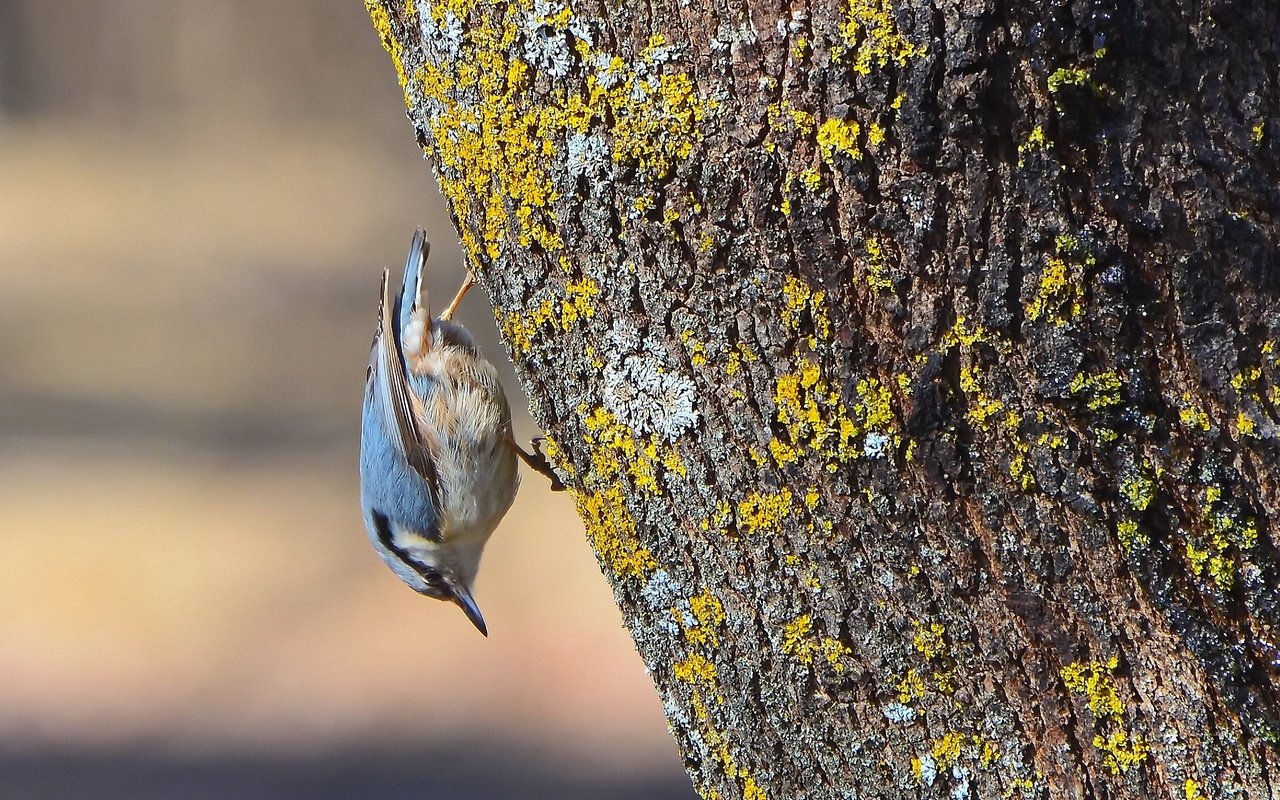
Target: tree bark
{"points": [[915, 369]]}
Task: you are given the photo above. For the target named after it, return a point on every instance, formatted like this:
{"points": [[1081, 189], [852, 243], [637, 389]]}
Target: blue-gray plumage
{"points": [[437, 458]]}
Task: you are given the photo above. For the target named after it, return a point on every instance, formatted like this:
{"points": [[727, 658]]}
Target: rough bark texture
{"points": [[915, 368]]}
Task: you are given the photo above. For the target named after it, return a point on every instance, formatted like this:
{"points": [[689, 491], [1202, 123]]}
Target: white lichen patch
{"points": [[899, 713], [875, 444], [687, 619], [587, 156], [960, 786], [661, 50], [546, 38], [442, 37], [727, 36], [677, 715], [623, 337], [660, 591], [928, 769], [607, 69], [643, 391]]}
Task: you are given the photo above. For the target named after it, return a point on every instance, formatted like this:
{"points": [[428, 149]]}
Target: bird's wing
{"points": [[396, 400]]}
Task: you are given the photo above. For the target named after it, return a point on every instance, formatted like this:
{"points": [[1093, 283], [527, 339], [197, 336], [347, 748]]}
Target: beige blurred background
{"points": [[196, 199]]}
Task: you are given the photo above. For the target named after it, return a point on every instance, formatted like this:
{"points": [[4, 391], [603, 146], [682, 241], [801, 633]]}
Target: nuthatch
{"points": [[437, 456]]}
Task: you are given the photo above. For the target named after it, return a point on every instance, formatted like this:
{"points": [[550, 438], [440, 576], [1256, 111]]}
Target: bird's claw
{"points": [[539, 463]]}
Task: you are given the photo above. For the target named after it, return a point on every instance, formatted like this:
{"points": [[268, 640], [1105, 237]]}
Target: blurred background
{"points": [[196, 199]]}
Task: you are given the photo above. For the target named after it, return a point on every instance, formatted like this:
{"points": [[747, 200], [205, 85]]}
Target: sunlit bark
{"points": [[914, 368]]}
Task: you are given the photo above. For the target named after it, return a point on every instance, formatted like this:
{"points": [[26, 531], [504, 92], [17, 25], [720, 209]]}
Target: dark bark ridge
{"points": [[915, 370]]}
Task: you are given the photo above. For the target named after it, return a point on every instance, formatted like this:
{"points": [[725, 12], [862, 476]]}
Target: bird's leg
{"points": [[538, 462], [470, 280]]}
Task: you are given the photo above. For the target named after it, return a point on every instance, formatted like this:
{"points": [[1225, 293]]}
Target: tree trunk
{"points": [[915, 369]]}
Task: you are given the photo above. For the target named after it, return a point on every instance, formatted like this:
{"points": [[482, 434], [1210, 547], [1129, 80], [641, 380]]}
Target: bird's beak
{"points": [[462, 596]]}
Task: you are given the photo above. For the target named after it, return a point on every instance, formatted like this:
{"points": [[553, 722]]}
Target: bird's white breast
{"points": [[476, 463]]}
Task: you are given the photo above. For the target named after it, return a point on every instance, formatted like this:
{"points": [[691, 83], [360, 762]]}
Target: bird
{"points": [[437, 454]]}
